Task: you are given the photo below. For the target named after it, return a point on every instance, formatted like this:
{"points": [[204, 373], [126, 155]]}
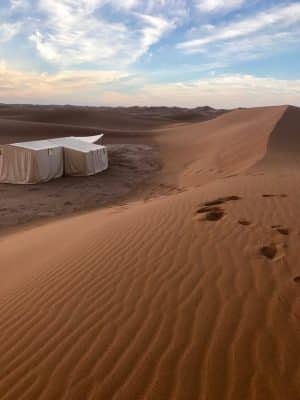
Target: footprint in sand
{"points": [[212, 213], [283, 231], [221, 200], [275, 195], [269, 251], [274, 251], [244, 222], [280, 229], [207, 209]]}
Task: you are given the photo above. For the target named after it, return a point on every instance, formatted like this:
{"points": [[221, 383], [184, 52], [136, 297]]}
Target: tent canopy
{"points": [[89, 139], [75, 144], [36, 145]]}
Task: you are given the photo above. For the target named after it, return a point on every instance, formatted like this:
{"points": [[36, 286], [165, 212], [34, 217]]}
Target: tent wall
{"points": [[26, 166], [85, 163], [50, 164], [97, 161], [17, 165], [75, 162]]}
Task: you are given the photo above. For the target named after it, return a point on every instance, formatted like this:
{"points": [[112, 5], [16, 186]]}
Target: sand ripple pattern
{"points": [[152, 304], [154, 301]]}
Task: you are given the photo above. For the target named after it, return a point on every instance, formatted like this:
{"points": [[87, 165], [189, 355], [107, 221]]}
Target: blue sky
{"points": [[224, 53]]}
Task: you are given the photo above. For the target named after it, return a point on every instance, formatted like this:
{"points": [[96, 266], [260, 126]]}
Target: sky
{"points": [[222, 53]]}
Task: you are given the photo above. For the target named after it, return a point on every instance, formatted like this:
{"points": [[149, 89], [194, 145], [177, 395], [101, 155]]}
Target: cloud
{"points": [[9, 30], [272, 20], [209, 6], [76, 32], [177, 10], [120, 88], [18, 4], [23, 86], [125, 4], [228, 91]]}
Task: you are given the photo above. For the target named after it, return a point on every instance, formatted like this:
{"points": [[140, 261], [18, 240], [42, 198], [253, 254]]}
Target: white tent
{"points": [[81, 157], [43, 160], [30, 162]]}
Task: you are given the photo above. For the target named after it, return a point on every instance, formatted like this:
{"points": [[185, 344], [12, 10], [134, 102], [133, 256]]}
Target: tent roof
{"points": [[75, 144], [36, 145], [89, 139], [84, 144]]}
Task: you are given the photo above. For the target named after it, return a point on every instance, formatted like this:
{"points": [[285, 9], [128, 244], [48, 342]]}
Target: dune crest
{"points": [[284, 141]]}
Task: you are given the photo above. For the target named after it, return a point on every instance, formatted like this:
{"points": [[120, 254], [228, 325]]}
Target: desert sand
{"points": [[188, 290]]}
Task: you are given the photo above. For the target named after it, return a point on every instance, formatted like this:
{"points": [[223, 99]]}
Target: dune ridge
{"points": [[154, 301]]}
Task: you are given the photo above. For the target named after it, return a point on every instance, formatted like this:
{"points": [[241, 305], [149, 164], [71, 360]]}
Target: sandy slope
{"points": [[157, 300]]}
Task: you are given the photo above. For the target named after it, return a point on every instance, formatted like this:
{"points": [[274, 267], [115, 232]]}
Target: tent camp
{"points": [[81, 157], [43, 160], [30, 162]]}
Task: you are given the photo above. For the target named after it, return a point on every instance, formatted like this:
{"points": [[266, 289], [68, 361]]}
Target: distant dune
{"points": [[121, 125], [192, 291]]}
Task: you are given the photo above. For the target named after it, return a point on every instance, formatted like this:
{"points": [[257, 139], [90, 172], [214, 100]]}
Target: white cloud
{"points": [[76, 31], [126, 4], [9, 30], [26, 86], [220, 91], [18, 4], [119, 88], [272, 20], [249, 48], [218, 5], [176, 9], [154, 28]]}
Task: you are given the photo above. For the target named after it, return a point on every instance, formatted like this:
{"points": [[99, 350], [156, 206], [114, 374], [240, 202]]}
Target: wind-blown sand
{"points": [[194, 294]]}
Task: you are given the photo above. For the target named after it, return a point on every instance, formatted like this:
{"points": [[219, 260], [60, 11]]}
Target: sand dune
{"points": [[226, 145], [120, 125], [193, 295], [284, 142], [132, 118]]}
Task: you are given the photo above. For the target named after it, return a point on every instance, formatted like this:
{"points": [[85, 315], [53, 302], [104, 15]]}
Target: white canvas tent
{"points": [[30, 162], [82, 157], [43, 160]]}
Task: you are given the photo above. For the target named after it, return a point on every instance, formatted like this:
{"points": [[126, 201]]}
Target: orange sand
{"points": [[155, 300]]}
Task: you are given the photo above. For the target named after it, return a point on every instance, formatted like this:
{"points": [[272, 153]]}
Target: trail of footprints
{"points": [[212, 211]]}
